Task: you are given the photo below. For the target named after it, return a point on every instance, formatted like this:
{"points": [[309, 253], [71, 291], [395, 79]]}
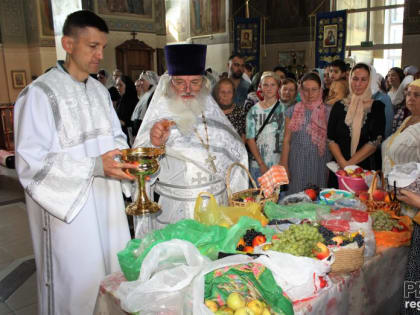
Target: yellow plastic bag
{"points": [[213, 214]]}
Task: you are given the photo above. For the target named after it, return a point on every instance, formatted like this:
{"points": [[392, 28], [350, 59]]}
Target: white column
{"points": [[60, 9]]}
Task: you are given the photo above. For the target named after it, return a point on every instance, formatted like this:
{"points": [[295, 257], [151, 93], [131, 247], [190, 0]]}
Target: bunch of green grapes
{"points": [[298, 240], [382, 221]]}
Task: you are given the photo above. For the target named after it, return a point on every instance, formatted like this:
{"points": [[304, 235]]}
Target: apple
{"points": [[244, 311], [322, 251], [266, 312], [235, 301], [379, 195], [224, 310], [341, 173], [311, 193], [364, 195], [212, 305], [358, 170], [256, 306]]}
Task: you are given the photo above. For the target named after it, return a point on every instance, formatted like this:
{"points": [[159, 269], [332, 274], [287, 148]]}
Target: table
{"points": [[374, 289]]}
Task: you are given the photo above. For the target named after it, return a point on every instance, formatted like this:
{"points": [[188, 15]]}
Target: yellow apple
{"points": [[212, 305], [266, 312], [244, 311], [224, 310], [256, 306], [235, 301]]}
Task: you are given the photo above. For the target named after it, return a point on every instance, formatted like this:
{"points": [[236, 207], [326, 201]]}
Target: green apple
{"points": [[244, 311], [256, 306], [235, 301]]}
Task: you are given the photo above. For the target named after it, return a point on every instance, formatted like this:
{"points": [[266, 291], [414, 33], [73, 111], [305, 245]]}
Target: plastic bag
{"points": [[351, 220], [172, 280], [253, 281], [207, 239], [214, 214], [396, 239], [299, 277], [301, 210]]}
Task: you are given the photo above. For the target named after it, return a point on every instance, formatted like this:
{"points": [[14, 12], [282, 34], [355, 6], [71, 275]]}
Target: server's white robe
{"points": [[77, 220]]}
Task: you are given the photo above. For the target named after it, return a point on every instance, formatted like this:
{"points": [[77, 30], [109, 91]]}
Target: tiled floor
{"points": [[15, 244]]}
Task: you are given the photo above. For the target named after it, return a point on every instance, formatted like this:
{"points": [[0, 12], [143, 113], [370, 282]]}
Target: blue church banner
{"points": [[330, 37], [247, 39]]}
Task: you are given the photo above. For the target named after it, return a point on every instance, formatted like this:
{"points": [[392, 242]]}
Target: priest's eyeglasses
{"points": [[182, 84]]}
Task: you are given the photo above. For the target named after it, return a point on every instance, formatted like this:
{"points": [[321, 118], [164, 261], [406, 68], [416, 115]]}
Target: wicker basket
{"points": [[233, 198], [348, 260], [373, 205]]}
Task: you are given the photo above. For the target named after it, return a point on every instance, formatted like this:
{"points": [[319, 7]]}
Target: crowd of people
{"points": [[67, 161]]}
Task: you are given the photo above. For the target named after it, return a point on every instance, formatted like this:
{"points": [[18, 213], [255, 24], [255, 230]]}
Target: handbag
{"points": [[251, 156]]}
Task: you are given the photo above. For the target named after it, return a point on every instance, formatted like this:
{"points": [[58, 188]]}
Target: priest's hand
{"points": [[115, 169], [160, 131]]}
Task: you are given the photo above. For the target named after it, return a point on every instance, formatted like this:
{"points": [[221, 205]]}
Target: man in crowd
{"points": [[288, 92], [67, 136], [116, 74], [338, 70], [199, 140], [236, 67]]}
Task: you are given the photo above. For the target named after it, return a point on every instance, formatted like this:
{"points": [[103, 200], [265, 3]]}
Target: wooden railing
{"points": [[6, 127]]}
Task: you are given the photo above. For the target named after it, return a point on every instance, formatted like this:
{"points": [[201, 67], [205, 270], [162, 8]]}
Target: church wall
{"points": [[217, 57], [41, 58], [4, 91]]}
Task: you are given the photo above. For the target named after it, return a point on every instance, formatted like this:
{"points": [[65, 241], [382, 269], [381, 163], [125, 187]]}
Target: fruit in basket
{"points": [[266, 312], [379, 195], [321, 251], [364, 195], [338, 240], [244, 311], [383, 221], [248, 249], [341, 173], [224, 310], [311, 193], [212, 305], [256, 306], [258, 240], [235, 301], [358, 170]]}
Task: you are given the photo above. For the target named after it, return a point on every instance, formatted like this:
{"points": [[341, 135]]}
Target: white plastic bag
{"points": [[164, 284], [299, 277]]}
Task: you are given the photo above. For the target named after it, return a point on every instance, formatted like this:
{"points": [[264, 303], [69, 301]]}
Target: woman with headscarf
{"points": [[403, 146], [148, 81], [356, 125], [379, 95], [127, 102], [395, 79], [304, 152]]}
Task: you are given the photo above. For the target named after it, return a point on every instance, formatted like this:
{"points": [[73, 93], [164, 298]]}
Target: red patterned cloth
{"points": [[273, 178]]}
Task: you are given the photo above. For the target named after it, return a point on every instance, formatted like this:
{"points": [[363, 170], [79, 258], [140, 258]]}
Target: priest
{"points": [[67, 137], [199, 140]]}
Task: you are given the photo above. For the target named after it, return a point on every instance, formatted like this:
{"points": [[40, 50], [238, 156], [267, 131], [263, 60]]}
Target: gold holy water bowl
{"points": [[147, 164]]}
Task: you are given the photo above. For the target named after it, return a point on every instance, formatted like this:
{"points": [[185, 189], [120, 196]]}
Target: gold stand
{"points": [[147, 164]]}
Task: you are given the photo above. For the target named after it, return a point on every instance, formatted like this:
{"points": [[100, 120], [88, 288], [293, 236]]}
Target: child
{"points": [[338, 70]]}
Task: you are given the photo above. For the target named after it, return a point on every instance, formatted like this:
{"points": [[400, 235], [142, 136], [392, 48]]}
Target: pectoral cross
{"points": [[199, 179], [210, 161]]}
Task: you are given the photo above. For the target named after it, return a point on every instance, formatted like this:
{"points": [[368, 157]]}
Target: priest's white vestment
{"points": [[185, 170], [77, 218]]}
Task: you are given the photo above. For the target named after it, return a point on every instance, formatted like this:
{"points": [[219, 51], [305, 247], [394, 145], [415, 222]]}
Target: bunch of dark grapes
{"points": [[359, 239], [327, 235], [250, 235]]}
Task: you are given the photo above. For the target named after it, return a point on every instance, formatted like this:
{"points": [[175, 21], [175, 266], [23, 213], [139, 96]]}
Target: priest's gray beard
{"points": [[186, 111]]}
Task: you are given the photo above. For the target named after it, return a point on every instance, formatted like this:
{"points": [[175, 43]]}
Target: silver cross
{"points": [[210, 161], [199, 179]]}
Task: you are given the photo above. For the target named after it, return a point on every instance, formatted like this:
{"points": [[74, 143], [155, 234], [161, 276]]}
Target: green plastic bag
{"points": [[239, 229], [301, 210], [207, 239], [252, 281]]}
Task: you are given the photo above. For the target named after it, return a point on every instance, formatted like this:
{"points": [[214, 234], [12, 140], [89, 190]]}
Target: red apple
{"points": [[363, 195], [311, 193], [341, 173], [379, 195], [321, 251], [358, 170]]}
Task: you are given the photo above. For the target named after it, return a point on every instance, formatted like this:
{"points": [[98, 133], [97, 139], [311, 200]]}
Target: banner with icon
{"points": [[247, 40]]}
